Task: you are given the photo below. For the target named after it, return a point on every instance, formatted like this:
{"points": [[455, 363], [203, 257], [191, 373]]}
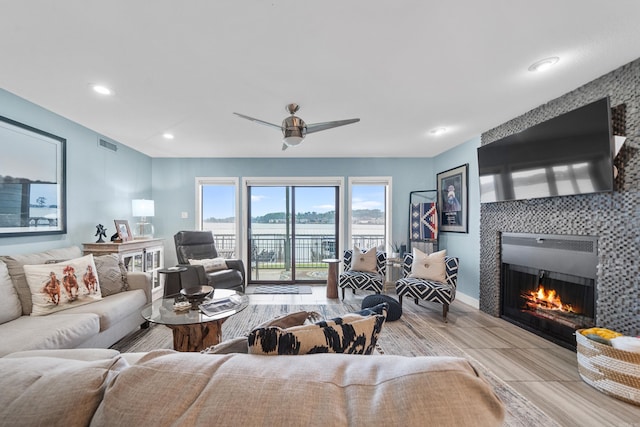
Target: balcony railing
{"points": [[272, 251]]}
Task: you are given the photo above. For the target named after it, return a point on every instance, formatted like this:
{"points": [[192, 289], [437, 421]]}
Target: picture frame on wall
{"points": [[123, 229], [32, 181], [453, 199]]}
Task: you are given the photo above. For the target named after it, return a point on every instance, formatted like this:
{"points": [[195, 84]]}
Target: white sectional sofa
{"points": [[101, 387], [98, 324]]}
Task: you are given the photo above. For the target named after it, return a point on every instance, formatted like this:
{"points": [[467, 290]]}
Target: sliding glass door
{"points": [[291, 230]]}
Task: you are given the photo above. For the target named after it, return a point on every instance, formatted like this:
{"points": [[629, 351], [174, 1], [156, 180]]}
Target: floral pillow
{"points": [[429, 267], [67, 284]]}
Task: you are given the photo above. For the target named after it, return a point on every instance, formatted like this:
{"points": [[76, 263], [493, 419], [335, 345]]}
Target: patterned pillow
{"points": [[64, 285], [355, 333], [429, 267], [366, 262], [214, 264], [112, 274]]}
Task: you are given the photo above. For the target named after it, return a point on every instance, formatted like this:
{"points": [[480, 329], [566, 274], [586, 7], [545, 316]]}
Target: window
{"points": [[369, 212], [217, 210]]}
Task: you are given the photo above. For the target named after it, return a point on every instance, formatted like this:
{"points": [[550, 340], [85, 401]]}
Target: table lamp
{"points": [[144, 209]]}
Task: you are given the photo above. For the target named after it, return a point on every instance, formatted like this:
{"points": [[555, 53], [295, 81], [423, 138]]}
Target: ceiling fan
{"points": [[295, 129]]}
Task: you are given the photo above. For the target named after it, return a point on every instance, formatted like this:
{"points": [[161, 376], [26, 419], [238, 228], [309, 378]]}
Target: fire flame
{"points": [[549, 300]]}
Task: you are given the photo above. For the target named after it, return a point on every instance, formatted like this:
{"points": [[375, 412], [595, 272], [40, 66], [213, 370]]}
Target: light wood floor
{"points": [[543, 372]]}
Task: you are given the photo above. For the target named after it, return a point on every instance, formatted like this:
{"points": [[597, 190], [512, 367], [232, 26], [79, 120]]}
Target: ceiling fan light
{"points": [[293, 130], [292, 141]]}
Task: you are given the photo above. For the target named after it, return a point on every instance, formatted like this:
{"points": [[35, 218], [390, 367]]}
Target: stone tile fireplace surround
{"points": [[614, 218]]}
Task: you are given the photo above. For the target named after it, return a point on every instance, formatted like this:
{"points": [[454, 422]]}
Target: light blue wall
{"points": [[100, 183], [465, 246], [174, 184]]}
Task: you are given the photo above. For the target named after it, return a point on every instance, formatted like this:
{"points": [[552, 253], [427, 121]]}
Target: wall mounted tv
{"points": [[569, 154]]}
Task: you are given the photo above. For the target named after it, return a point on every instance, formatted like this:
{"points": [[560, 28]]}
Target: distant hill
{"points": [[360, 216]]}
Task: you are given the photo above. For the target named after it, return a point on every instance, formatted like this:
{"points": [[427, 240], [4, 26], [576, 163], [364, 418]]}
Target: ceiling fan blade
{"points": [[317, 127], [262, 122]]}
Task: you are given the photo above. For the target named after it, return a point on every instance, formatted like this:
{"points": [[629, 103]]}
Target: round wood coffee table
{"points": [[192, 329]]}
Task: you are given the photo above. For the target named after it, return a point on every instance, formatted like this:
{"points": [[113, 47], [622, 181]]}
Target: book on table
{"points": [[217, 306]]}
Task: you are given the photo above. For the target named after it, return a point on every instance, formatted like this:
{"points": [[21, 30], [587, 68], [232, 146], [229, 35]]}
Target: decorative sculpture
{"points": [[102, 232]]}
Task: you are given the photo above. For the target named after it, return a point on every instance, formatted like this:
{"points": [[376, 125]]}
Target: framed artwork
{"points": [[453, 198], [32, 181], [124, 232]]}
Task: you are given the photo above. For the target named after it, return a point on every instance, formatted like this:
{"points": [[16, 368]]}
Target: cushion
{"points": [[56, 287], [366, 262], [168, 388], [112, 274], [214, 264], [353, 333], [239, 345], [395, 309], [429, 267], [54, 391], [15, 263], [10, 307]]}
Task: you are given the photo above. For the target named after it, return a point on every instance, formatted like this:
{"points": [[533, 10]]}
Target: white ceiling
{"points": [[403, 67]]}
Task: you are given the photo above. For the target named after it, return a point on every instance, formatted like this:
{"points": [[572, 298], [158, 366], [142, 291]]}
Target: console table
{"points": [[142, 255]]}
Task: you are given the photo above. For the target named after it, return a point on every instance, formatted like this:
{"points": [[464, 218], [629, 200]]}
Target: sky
{"points": [[28, 155], [218, 200]]}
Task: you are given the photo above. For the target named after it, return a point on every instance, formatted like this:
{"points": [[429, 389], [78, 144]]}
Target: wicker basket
{"points": [[612, 371]]}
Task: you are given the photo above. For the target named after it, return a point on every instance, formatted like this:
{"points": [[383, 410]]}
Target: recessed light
{"points": [[438, 131], [167, 135], [543, 64], [102, 90]]}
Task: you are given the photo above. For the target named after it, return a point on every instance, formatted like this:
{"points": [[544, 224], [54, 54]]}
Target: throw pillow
{"points": [[366, 262], [112, 274], [214, 264], [10, 307], [16, 262], [353, 334], [429, 267], [56, 287]]}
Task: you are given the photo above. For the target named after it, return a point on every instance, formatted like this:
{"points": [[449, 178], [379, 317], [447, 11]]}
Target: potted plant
{"points": [[395, 249]]}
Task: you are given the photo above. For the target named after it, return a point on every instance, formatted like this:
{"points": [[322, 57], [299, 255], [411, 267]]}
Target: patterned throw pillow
{"points": [[366, 262], [112, 274], [429, 267], [56, 287], [355, 333], [214, 264]]}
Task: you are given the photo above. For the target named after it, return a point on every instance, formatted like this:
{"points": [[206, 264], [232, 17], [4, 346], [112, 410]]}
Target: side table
{"points": [[172, 283], [394, 272], [332, 277]]}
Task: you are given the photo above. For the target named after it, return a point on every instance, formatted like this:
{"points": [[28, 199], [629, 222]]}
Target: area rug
{"points": [[410, 336], [280, 289]]}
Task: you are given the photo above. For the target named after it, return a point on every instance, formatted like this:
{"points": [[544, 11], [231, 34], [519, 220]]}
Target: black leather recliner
{"points": [[200, 245]]}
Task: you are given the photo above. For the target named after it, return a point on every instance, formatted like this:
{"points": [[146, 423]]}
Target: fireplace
{"points": [[547, 284]]}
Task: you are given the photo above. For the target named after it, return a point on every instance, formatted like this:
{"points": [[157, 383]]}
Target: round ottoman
{"points": [[395, 311]]}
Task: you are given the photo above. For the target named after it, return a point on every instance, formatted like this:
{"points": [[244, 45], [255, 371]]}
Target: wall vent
{"points": [[107, 145]]}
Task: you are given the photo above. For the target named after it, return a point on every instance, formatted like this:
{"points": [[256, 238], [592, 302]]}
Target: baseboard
{"points": [[473, 302]]}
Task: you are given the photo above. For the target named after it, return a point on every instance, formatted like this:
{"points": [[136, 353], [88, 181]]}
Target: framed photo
{"points": [[32, 181], [453, 199], [124, 232]]}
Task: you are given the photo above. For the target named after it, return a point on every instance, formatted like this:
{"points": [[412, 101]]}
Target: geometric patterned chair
{"points": [[363, 280], [427, 290]]}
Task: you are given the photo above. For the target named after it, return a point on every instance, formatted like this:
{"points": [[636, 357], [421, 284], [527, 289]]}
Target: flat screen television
{"points": [[568, 154]]}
